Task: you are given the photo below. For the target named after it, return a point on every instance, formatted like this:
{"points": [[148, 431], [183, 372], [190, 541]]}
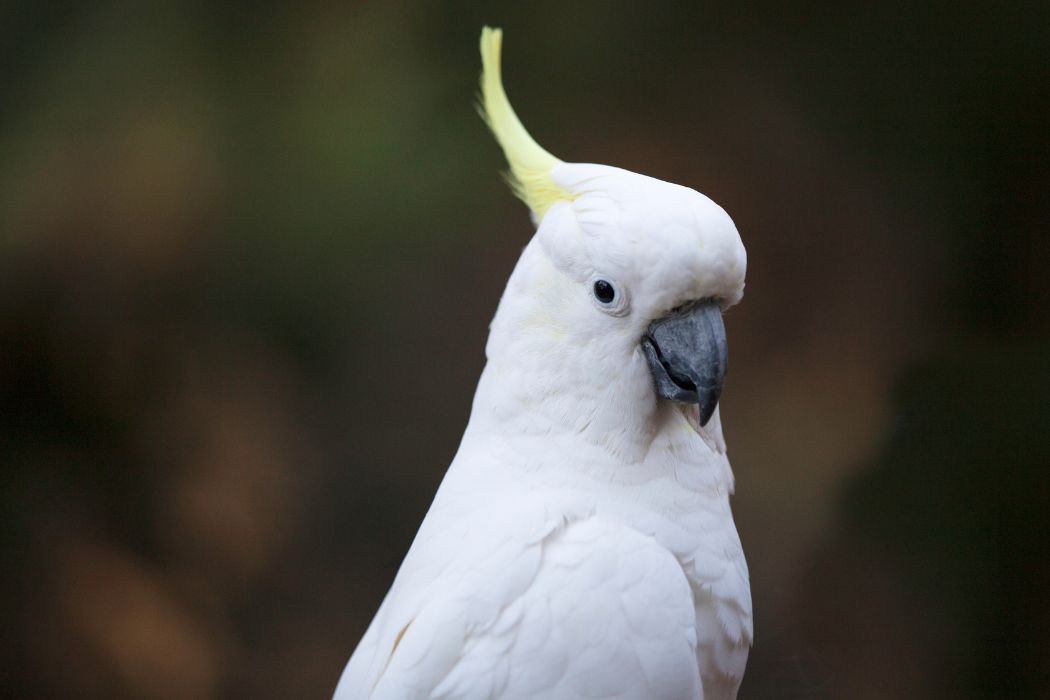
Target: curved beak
{"points": [[687, 353]]}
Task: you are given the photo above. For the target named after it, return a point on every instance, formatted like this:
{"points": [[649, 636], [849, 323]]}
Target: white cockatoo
{"points": [[581, 544]]}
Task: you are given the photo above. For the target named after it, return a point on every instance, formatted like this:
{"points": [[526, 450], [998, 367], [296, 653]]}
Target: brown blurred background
{"points": [[249, 252]]}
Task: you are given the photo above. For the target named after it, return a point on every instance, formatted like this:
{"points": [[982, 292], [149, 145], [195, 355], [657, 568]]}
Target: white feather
{"points": [[581, 544]]}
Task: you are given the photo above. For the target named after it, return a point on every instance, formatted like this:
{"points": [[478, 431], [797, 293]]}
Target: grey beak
{"points": [[687, 353]]}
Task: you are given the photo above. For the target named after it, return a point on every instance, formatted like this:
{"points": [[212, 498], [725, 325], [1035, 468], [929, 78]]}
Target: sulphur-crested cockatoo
{"points": [[581, 544]]}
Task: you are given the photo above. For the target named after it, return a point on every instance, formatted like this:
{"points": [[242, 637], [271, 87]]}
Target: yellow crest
{"points": [[530, 163]]}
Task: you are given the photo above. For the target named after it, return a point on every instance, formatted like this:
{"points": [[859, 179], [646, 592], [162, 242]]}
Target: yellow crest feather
{"points": [[530, 163]]}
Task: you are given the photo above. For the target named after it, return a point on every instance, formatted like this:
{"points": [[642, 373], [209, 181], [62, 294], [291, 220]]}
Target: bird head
{"points": [[619, 297]]}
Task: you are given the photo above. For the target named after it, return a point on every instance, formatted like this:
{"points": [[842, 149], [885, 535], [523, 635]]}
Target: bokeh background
{"points": [[249, 252]]}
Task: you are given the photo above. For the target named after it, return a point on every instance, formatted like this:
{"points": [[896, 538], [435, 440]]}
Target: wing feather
{"points": [[593, 609]]}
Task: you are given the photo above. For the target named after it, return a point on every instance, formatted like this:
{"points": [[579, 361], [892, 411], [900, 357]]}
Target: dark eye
{"points": [[604, 291]]}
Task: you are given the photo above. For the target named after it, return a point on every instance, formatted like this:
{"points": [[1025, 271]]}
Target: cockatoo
{"points": [[581, 544]]}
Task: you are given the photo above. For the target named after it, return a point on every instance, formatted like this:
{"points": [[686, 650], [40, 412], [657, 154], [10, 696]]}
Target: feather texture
{"points": [[530, 164]]}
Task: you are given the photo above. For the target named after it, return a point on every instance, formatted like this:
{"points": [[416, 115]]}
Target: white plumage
{"points": [[581, 544]]}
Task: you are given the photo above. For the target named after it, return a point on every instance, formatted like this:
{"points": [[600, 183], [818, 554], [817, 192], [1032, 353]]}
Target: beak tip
{"points": [[707, 410]]}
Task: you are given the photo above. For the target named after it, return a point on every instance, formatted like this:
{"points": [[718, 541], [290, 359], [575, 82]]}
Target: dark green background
{"points": [[249, 251]]}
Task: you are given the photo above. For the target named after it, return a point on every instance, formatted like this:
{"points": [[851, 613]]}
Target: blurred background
{"points": [[249, 252]]}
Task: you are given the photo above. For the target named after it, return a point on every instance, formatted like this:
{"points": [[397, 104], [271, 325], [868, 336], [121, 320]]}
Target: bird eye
{"points": [[604, 292]]}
